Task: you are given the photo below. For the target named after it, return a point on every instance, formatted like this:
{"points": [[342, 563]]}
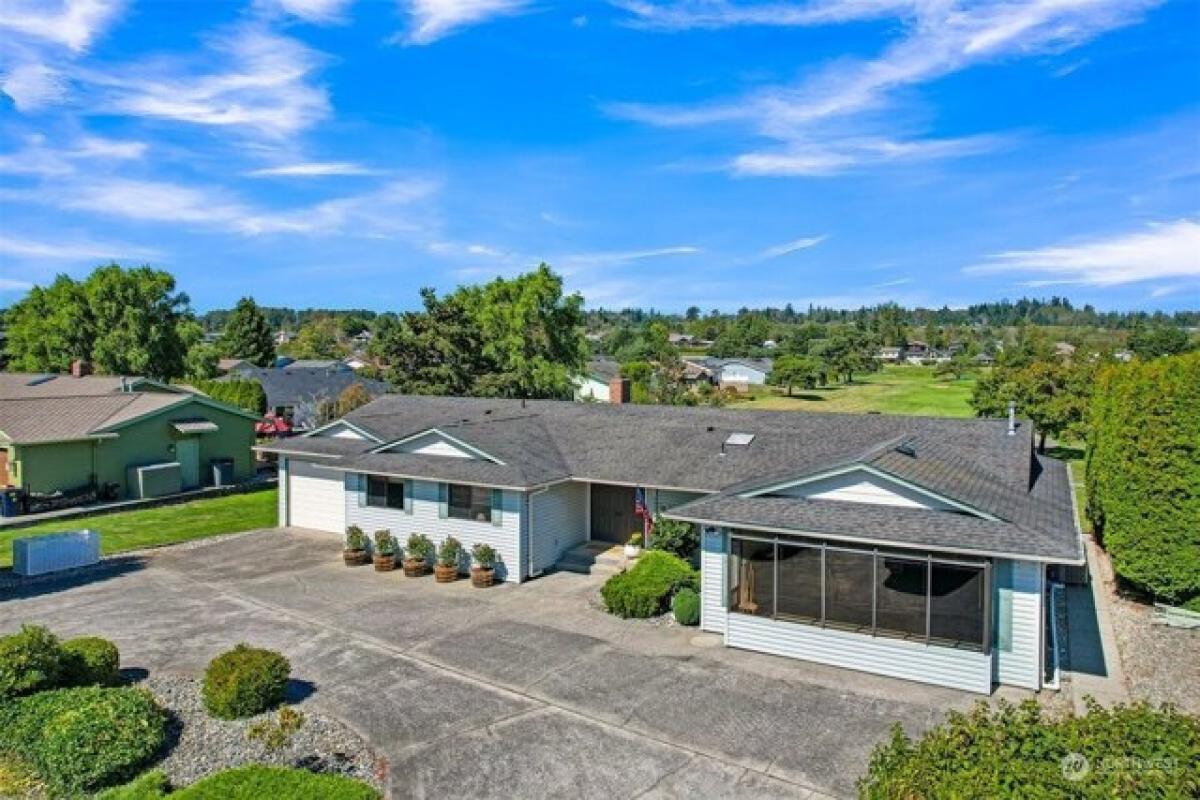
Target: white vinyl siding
{"points": [[942, 666], [314, 497], [592, 389], [712, 581], [743, 373], [558, 519], [338, 430], [432, 444], [282, 495], [1018, 623], [425, 518], [860, 486]]}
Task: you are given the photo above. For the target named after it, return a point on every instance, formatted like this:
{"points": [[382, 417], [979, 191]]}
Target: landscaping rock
{"points": [[201, 745]]}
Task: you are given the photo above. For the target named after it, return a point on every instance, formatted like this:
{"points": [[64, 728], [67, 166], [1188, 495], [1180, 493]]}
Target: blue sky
{"points": [[841, 152]]}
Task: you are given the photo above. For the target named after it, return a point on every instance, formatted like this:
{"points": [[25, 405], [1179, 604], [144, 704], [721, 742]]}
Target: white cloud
{"points": [[434, 19], [73, 24], [311, 169], [37, 158], [574, 261], [792, 246], [321, 12], [1165, 250], [263, 84], [12, 285], [33, 86], [815, 116], [70, 251]]}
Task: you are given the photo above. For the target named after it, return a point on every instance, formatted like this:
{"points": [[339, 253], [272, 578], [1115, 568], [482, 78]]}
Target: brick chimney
{"points": [[618, 391], [80, 368]]}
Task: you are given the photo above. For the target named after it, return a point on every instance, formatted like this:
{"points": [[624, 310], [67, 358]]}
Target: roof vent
{"points": [[906, 450], [741, 439]]}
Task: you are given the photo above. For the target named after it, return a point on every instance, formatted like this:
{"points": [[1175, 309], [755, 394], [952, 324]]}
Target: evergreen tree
{"points": [[247, 335]]}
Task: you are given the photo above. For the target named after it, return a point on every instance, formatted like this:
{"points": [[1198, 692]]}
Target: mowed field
{"points": [[896, 389], [134, 530]]}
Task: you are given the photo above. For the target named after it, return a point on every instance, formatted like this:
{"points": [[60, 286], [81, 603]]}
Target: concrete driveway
{"points": [[528, 691]]}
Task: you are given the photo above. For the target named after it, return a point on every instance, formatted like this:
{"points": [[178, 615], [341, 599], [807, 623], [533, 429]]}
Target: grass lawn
{"points": [[897, 389], [1075, 456], [133, 530]]}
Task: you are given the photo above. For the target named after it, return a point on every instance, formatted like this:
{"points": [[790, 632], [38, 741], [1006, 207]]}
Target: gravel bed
{"points": [[201, 745], [1162, 664]]}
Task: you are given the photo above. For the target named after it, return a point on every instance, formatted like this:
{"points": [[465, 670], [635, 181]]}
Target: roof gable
{"points": [[435, 442]]}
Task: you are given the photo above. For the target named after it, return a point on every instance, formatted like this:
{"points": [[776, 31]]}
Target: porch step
{"points": [[593, 558]]}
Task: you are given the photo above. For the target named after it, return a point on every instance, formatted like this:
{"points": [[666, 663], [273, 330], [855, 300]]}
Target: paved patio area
{"points": [[529, 691]]}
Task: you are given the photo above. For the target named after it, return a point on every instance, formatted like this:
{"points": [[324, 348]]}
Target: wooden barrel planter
{"points": [[445, 573], [385, 563], [355, 558], [414, 567], [482, 578]]}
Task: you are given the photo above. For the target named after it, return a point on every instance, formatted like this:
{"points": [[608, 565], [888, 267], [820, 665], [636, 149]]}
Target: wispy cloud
{"points": [[793, 246], [572, 261], [434, 19], [829, 120], [1165, 250], [70, 23], [71, 250], [38, 157], [312, 169], [321, 12], [263, 84]]}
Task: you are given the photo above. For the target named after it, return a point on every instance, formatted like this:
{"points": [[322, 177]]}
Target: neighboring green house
{"points": [[68, 432]]}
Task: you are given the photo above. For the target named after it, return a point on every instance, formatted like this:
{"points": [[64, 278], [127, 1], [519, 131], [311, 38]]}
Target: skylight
{"points": [[740, 438]]}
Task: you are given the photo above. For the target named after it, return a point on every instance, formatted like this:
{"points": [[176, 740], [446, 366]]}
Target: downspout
{"points": [[529, 527]]}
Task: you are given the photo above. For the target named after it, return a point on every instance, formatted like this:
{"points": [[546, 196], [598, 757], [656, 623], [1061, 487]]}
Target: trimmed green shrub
{"points": [[246, 394], [1012, 751], [30, 661], [646, 589], [1143, 473], [686, 606], [245, 681], [679, 538], [152, 785], [450, 552], [257, 781], [419, 547], [83, 739], [90, 661]]}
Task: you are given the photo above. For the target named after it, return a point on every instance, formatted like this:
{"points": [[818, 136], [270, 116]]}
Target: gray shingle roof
{"points": [[292, 385], [971, 461]]}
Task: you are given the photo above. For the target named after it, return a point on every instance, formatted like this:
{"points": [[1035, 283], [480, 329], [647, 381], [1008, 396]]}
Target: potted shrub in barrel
{"points": [[633, 548], [354, 553], [416, 555], [446, 568], [483, 571], [385, 551]]}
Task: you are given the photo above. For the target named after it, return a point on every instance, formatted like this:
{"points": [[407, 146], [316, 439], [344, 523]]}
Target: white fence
{"points": [[38, 555]]}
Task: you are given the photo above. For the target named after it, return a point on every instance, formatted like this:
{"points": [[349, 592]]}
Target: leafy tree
{"points": [[791, 371], [124, 321], [1054, 394], [247, 335], [1143, 478], [1158, 340], [435, 351], [845, 352], [321, 338], [353, 396], [532, 335], [958, 366], [201, 362]]}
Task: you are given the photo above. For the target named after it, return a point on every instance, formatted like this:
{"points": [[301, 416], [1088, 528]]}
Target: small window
{"points": [[383, 493], [469, 502]]}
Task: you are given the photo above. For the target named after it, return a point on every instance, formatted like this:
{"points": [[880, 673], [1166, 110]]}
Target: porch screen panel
{"points": [[799, 583], [848, 579], [900, 587], [752, 577], [956, 605]]}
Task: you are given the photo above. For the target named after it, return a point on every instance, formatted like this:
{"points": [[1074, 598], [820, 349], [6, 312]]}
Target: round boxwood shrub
{"points": [[646, 588], [1013, 751], [90, 661], [245, 681], [687, 607], [30, 661], [83, 739]]}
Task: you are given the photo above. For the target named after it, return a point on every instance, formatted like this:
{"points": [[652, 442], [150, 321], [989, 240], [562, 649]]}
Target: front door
{"points": [[187, 453], [612, 513]]}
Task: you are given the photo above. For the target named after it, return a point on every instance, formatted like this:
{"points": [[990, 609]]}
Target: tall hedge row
{"points": [[1143, 473], [247, 395]]}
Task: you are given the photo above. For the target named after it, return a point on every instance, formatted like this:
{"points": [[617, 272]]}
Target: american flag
{"points": [[640, 509]]}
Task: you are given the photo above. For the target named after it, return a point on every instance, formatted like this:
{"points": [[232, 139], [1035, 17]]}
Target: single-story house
{"points": [[738, 373], [913, 547], [226, 365], [63, 433], [301, 394], [594, 383]]}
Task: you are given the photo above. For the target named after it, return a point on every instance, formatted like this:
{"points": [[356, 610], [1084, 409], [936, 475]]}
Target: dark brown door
{"points": [[3, 468], [612, 513]]}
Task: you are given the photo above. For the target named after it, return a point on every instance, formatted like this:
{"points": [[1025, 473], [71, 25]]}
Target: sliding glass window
{"points": [[913, 596]]}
